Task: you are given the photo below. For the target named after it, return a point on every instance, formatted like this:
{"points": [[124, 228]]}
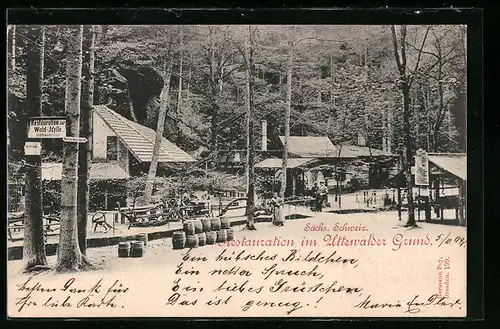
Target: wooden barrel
{"points": [[188, 227], [224, 223], [211, 237], [179, 240], [221, 236], [136, 248], [124, 249], [202, 239], [230, 234], [207, 225], [215, 223], [192, 241], [143, 237], [198, 226]]}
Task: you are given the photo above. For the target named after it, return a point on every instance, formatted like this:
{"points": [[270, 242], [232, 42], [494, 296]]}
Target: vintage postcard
{"points": [[237, 171]]}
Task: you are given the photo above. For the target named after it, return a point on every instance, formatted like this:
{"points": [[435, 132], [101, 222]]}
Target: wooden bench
{"points": [[156, 214], [200, 208], [446, 202]]}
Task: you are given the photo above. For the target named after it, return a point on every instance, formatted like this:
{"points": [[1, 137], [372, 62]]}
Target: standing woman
{"points": [[278, 213]]}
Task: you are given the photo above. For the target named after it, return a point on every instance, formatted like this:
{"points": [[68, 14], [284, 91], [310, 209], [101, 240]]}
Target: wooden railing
{"points": [[15, 223], [161, 214]]}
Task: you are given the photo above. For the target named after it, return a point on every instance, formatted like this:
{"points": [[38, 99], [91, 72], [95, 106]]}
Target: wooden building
{"points": [[316, 159], [448, 172], [121, 149], [130, 144]]}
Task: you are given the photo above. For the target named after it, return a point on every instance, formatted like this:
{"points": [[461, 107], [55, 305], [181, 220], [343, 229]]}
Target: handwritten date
{"points": [[448, 239]]}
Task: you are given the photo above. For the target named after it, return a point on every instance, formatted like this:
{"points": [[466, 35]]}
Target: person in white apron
{"points": [[278, 213]]}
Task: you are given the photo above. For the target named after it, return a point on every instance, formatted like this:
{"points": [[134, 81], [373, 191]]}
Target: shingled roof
{"points": [[277, 163], [310, 147], [322, 147], [97, 171], [139, 139], [454, 163]]}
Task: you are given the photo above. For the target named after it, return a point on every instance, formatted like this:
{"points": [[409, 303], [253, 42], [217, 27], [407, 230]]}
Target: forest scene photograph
{"points": [[159, 139]]}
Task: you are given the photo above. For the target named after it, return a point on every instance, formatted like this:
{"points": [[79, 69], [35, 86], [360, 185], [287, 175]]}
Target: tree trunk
{"points": [[389, 129], [131, 104], [179, 90], [69, 257], [332, 82], [417, 118], [85, 149], [221, 74], [463, 121], [366, 56], [34, 243], [214, 87], [408, 154], [250, 140], [430, 105], [13, 49], [287, 117], [189, 77], [159, 130], [401, 62], [426, 107], [213, 125], [384, 129]]}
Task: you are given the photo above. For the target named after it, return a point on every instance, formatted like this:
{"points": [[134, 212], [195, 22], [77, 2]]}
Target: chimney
{"points": [[361, 139], [264, 135]]}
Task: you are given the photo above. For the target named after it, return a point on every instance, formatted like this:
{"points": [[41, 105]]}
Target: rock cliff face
{"points": [[140, 89], [144, 84]]}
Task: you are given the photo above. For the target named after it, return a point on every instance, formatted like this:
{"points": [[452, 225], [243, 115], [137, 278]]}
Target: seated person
{"points": [[185, 199]]}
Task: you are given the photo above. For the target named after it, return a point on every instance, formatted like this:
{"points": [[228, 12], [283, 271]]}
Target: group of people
{"points": [[320, 194]]}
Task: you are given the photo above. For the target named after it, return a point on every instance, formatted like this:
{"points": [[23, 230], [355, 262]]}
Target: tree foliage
{"points": [[344, 83]]}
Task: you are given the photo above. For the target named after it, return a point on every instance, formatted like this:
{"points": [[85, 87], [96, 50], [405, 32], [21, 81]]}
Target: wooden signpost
{"points": [[32, 148], [422, 180], [47, 127], [75, 139]]}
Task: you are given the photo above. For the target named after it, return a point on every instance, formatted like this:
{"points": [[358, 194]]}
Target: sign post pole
{"points": [[422, 179], [34, 242], [38, 128]]}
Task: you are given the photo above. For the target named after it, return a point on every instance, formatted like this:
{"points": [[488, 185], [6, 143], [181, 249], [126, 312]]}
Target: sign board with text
{"points": [[32, 148], [47, 127], [75, 140], [421, 168]]}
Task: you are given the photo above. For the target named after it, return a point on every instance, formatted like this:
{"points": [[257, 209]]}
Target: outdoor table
{"points": [[200, 207]]}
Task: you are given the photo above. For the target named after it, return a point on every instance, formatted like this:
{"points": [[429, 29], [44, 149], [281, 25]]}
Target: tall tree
{"points": [[439, 74], [85, 149], [69, 256], [13, 48], [164, 101], [406, 78], [250, 72], [179, 90], [291, 49], [34, 243]]}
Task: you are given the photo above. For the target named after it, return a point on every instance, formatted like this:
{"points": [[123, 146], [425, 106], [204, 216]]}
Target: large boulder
{"points": [[145, 84]]}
